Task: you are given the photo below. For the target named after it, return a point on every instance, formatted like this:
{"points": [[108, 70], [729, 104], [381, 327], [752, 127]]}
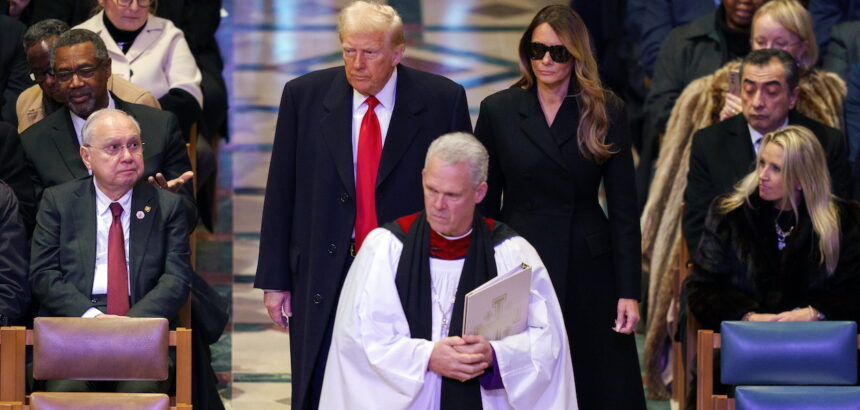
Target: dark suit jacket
{"points": [[62, 262], [723, 154], [14, 72], [14, 290], [844, 48], [15, 172], [52, 150], [309, 210]]}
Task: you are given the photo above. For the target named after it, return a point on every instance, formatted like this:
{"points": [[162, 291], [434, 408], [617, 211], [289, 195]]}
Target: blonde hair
{"points": [[804, 166], [371, 17], [792, 16], [592, 98]]}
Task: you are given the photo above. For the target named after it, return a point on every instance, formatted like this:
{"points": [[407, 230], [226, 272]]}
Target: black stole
{"points": [[413, 285]]}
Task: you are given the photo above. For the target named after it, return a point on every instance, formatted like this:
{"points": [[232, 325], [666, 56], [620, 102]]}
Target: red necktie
{"points": [[117, 295], [369, 152]]}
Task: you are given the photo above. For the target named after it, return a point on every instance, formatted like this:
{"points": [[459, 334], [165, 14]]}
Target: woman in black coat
{"points": [[552, 138], [780, 247]]}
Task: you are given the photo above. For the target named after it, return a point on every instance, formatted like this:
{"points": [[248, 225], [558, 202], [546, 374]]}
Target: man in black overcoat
{"points": [[308, 236]]}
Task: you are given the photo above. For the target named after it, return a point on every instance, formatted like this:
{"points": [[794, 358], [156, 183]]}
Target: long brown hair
{"points": [[593, 116]]}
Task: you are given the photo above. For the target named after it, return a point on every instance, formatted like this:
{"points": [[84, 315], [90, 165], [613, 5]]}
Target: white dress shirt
{"points": [[756, 136], [104, 219], [79, 122], [383, 112]]}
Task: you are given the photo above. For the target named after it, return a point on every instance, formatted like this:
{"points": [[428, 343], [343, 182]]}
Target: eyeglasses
{"points": [[558, 53], [140, 3], [83, 72], [39, 76], [115, 149]]}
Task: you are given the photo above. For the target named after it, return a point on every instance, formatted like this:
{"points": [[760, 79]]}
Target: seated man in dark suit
{"points": [[110, 245], [82, 67], [724, 153], [14, 290]]}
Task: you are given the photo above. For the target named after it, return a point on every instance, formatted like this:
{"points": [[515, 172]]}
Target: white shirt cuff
{"points": [[92, 312]]}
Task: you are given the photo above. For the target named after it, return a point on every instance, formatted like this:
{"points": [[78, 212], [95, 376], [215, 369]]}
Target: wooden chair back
{"points": [[14, 340]]}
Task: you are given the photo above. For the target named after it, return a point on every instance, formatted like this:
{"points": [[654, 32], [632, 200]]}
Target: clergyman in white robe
{"points": [[373, 363]]}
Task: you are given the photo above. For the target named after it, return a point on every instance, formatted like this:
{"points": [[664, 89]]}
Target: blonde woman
{"points": [[552, 138], [781, 24], [780, 247]]}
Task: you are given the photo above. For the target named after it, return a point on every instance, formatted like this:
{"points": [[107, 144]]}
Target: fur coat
{"points": [[820, 98], [739, 269]]}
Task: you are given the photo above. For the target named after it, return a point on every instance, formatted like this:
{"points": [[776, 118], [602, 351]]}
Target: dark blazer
{"points": [[14, 290], [62, 262], [658, 18], [543, 188], [309, 210], [844, 48], [687, 53], [199, 20], [14, 72], [723, 154], [15, 172], [52, 150], [738, 268], [826, 14]]}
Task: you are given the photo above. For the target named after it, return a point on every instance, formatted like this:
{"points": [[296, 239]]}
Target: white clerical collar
{"points": [[103, 201], [385, 96], [78, 122], [756, 136], [454, 238]]}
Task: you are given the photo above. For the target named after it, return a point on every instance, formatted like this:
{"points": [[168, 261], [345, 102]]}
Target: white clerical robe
{"points": [[373, 363]]}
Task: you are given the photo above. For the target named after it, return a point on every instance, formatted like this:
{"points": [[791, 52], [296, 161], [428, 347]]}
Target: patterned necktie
{"points": [[369, 152], [117, 295]]}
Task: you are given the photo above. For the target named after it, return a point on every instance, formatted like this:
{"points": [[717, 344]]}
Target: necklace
{"points": [[781, 235], [445, 324]]}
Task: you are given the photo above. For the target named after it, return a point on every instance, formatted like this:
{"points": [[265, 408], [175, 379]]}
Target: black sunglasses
{"points": [[558, 53]]}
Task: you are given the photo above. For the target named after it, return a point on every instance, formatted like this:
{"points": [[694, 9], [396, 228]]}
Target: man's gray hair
{"points": [[101, 115], [78, 36], [368, 17], [44, 30], [458, 148]]}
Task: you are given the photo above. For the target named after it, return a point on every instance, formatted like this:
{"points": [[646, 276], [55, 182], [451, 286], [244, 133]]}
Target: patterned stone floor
{"points": [[266, 43]]}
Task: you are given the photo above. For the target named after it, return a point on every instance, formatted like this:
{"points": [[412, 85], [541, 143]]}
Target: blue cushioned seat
{"points": [[797, 397], [789, 353]]}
